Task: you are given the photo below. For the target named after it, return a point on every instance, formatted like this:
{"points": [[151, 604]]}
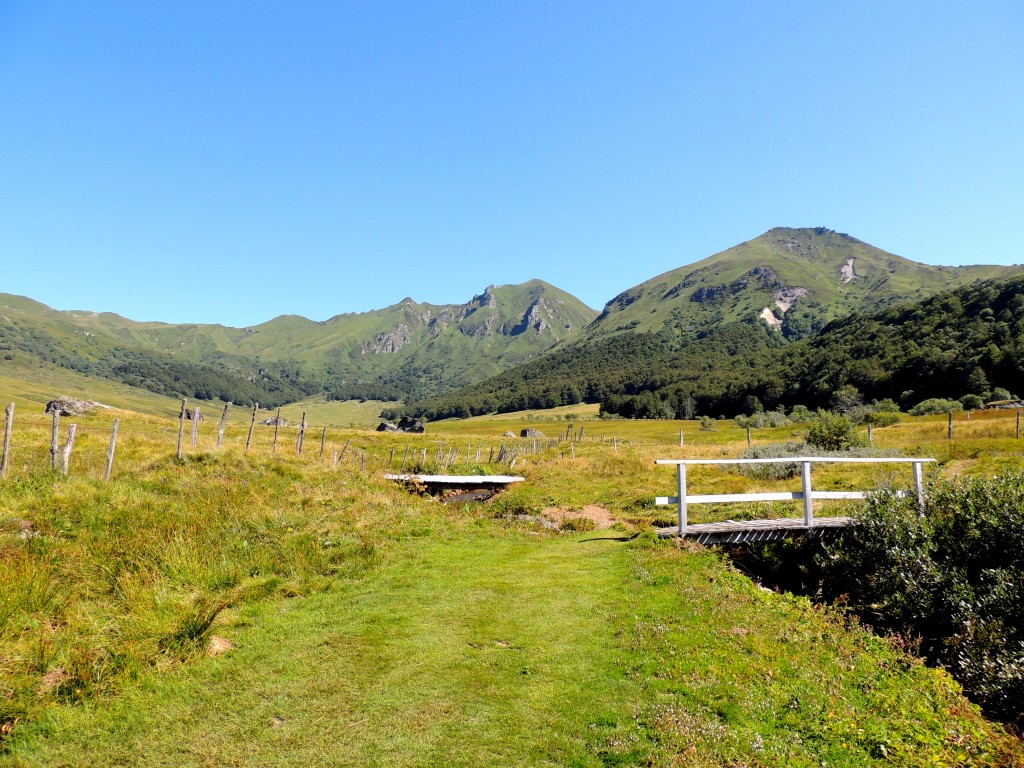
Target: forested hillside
{"points": [[966, 341]]}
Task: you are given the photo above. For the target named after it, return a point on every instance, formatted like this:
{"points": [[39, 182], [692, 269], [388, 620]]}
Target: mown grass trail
{"points": [[496, 646], [479, 650]]}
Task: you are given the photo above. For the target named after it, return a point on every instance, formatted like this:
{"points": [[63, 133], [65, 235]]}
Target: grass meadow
{"points": [[271, 608]]}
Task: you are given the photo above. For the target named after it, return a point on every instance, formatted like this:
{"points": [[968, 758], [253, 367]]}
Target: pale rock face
{"points": [[846, 272]]}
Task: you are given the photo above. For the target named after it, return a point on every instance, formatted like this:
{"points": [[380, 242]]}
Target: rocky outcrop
{"points": [[386, 426], [390, 342], [536, 433], [410, 424], [70, 406], [275, 422]]}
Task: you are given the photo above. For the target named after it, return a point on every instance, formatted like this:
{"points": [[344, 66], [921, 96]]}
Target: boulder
{"points": [[386, 426], [70, 406], [409, 424], [273, 421], [531, 433], [509, 433]]}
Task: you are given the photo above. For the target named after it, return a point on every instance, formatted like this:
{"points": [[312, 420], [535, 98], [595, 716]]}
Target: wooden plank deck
{"points": [[740, 531], [458, 481]]}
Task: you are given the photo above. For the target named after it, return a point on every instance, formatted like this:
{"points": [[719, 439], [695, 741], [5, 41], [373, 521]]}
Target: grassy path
{"points": [[491, 647], [481, 650]]}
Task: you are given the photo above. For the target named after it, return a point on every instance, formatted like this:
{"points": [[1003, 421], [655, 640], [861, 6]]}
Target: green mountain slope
{"points": [[794, 280], [406, 349], [702, 329]]}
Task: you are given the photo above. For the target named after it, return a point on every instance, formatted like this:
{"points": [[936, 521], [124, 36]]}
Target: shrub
{"points": [[881, 418], [953, 576], [972, 402], [936, 405], [707, 424], [833, 432], [781, 471], [1001, 394]]}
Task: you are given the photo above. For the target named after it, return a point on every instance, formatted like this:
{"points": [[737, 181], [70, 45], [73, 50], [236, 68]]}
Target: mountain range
{"points": [[512, 345]]}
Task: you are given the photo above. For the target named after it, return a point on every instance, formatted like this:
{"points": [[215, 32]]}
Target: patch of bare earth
{"points": [[219, 645], [599, 516]]}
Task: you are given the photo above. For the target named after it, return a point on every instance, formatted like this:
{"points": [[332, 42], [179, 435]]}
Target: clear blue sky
{"points": [[232, 161]]}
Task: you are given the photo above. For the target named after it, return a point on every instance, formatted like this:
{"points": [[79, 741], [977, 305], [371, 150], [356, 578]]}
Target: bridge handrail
{"points": [[806, 494]]}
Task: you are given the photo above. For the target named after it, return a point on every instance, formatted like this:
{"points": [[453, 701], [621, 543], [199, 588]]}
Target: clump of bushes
{"points": [[833, 432], [952, 576], [936, 405]]}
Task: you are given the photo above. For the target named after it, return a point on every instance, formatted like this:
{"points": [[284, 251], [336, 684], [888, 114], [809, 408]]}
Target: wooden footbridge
{"points": [[733, 531]]}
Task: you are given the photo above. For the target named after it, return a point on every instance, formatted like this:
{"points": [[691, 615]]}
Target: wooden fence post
{"points": [[615, 444], [196, 413], [919, 485], [1018, 424], [302, 434], [277, 427], [871, 441], [342, 456], [181, 427], [223, 423], [391, 461], [110, 451], [748, 437], [54, 437], [681, 441], [248, 439], [8, 428], [65, 458], [406, 457], [323, 439], [949, 434], [572, 450]]}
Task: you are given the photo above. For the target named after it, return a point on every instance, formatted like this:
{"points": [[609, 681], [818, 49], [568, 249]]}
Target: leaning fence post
{"points": [[302, 434], [223, 423], [196, 414], [805, 473], [681, 489], [323, 439], [919, 485], [110, 450], [8, 428], [277, 427], [65, 459], [181, 427], [54, 437], [248, 439], [391, 461], [1018, 424]]}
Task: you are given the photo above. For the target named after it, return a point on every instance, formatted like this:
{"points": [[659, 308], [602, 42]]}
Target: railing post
{"points": [[682, 498], [805, 472], [919, 485]]}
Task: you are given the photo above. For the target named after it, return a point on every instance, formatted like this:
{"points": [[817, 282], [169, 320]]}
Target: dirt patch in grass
{"points": [[599, 516]]}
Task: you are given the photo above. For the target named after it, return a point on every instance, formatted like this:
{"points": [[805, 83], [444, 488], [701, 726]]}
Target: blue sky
{"points": [[233, 161]]}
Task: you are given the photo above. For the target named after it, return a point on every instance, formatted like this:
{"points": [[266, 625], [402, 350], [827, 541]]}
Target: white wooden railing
{"points": [[683, 499]]}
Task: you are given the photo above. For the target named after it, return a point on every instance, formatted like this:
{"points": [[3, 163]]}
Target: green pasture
{"points": [[369, 626]]}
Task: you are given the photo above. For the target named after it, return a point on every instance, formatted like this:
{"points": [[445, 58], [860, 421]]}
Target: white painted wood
{"points": [[805, 478], [793, 460]]}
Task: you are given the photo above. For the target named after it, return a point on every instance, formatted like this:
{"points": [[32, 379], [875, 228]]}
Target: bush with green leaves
{"points": [[936, 405], [972, 402], [833, 432], [952, 576]]}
